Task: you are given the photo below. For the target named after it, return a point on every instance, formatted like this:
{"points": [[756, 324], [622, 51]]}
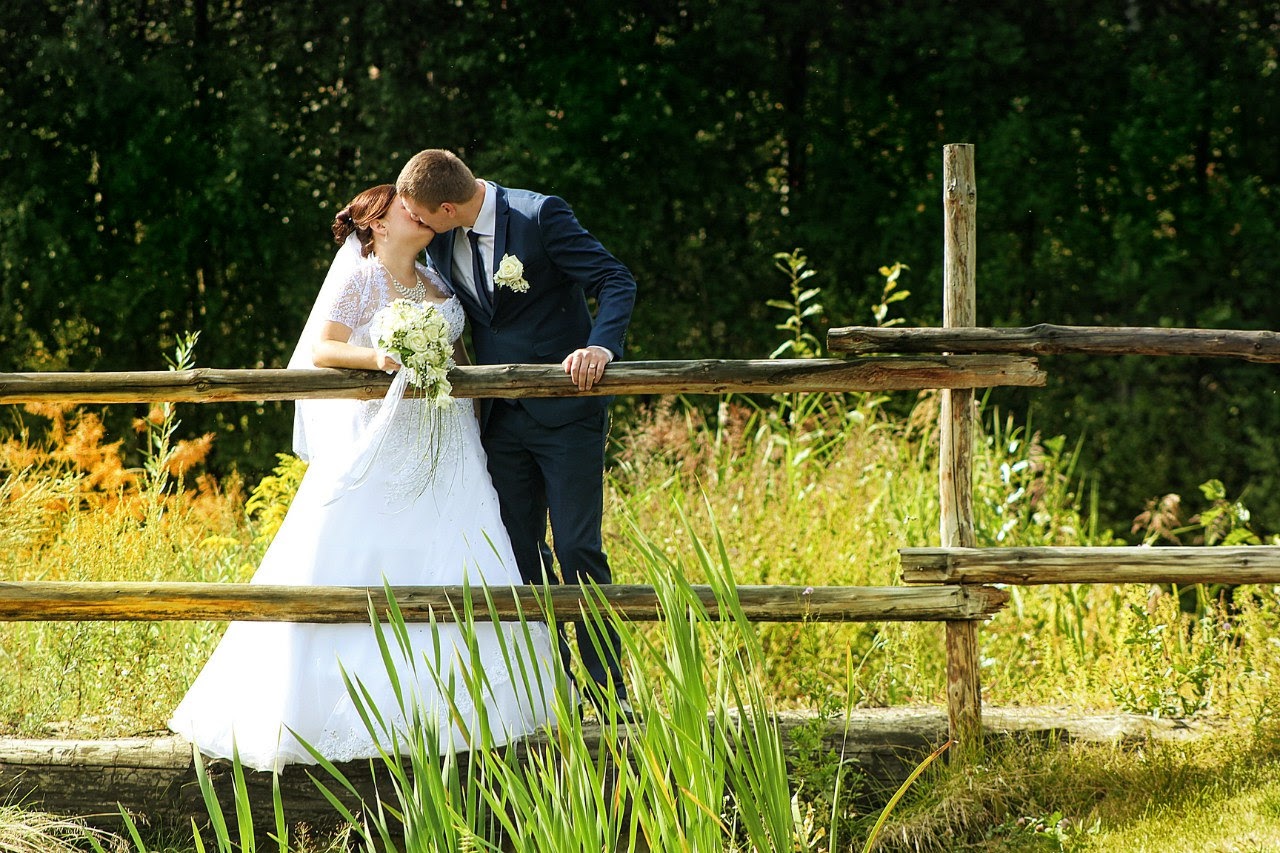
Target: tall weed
{"points": [[74, 510], [705, 771]]}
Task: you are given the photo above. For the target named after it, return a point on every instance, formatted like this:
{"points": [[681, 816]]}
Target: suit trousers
{"points": [[542, 472]]}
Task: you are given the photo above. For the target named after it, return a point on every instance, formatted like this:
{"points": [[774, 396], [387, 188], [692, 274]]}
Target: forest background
{"points": [[171, 166]]}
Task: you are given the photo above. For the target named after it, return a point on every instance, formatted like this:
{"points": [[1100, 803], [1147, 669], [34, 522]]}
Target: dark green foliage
{"points": [[172, 166]]}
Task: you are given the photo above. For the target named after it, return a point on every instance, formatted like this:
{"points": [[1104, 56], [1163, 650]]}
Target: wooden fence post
{"points": [[955, 467]]}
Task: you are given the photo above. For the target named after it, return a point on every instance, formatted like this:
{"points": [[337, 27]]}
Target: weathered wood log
{"points": [[155, 776], [103, 601], [1046, 339], [760, 376], [1027, 566], [955, 432]]}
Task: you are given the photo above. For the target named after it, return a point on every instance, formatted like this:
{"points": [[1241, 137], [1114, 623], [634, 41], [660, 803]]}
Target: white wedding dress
{"points": [[396, 491]]}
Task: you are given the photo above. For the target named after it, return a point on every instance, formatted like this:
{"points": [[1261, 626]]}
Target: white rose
{"points": [[442, 391], [510, 267], [417, 340], [510, 274]]}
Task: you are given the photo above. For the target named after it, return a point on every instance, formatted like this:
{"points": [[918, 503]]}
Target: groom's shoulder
{"points": [[526, 200]]}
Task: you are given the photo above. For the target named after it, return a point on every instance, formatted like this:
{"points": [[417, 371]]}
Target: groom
{"points": [[523, 268]]}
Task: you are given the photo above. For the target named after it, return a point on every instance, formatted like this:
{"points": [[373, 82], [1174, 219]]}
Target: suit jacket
{"points": [[563, 265]]}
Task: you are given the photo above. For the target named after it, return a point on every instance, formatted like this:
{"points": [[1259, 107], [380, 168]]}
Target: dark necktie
{"points": [[477, 273]]}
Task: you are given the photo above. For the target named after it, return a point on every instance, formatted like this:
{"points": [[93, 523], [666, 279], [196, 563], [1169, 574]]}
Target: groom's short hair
{"points": [[434, 176]]}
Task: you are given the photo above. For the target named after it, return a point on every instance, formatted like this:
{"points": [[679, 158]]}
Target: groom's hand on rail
{"points": [[586, 366]]}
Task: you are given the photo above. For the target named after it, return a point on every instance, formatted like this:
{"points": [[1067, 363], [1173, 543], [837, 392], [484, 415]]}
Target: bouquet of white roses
{"points": [[418, 337]]}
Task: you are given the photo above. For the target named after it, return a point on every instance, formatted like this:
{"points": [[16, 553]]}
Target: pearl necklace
{"points": [[417, 293]]}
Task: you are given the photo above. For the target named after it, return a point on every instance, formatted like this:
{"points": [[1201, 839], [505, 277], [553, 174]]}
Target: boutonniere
{"points": [[510, 274]]}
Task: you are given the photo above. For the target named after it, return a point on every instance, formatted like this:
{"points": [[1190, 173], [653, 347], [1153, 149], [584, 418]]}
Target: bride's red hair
{"points": [[360, 214]]}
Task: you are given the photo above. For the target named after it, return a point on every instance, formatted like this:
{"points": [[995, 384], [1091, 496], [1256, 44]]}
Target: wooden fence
{"points": [[952, 584]]}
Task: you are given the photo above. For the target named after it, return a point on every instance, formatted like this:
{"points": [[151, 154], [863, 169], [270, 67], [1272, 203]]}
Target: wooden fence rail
{"points": [[1046, 339], [758, 376], [49, 601], [1027, 566]]}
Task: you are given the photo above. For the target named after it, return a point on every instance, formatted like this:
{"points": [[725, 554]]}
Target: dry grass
{"points": [[24, 831], [1154, 795]]}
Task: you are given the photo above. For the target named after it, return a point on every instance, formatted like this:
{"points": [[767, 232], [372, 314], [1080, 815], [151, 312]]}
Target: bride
{"points": [[396, 491]]}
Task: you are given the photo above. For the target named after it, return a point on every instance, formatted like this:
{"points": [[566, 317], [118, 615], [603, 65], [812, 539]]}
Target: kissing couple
{"points": [[415, 492]]}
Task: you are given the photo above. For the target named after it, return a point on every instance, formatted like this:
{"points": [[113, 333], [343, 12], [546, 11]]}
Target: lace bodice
{"points": [[369, 289], [403, 438]]}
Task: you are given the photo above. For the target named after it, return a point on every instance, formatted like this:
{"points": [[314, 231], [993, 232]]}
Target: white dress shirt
{"points": [[485, 228]]}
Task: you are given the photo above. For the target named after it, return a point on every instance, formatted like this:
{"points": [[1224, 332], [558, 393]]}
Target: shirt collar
{"points": [[486, 220]]}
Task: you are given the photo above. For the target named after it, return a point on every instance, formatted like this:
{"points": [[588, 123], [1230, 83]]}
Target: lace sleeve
{"points": [[353, 304], [321, 427]]}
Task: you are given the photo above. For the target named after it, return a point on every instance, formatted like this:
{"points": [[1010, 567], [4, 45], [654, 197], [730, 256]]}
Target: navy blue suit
{"points": [[546, 456]]}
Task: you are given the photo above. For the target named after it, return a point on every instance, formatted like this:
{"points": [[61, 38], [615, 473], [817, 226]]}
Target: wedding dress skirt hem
{"points": [[297, 690]]}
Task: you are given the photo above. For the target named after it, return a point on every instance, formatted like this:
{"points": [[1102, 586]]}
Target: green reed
{"points": [[705, 771]]}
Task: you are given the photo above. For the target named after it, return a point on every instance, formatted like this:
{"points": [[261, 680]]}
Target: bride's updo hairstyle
{"points": [[360, 214]]}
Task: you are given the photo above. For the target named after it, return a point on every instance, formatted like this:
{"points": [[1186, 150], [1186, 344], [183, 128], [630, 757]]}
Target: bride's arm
{"points": [[333, 350]]}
